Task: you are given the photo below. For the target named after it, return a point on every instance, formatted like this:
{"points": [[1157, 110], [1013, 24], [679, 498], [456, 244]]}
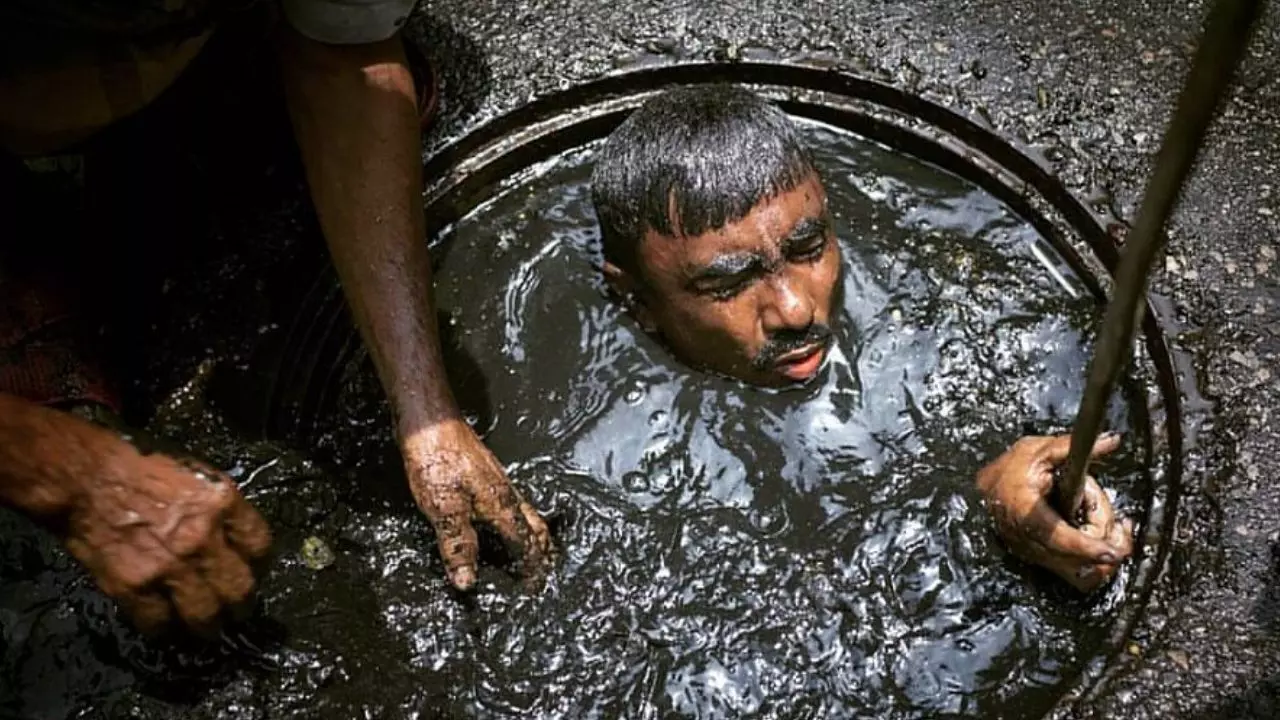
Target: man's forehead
{"points": [[762, 230]]}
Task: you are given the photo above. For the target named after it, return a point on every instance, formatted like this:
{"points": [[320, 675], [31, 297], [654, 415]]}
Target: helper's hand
{"points": [[455, 480], [169, 540], [1017, 488]]}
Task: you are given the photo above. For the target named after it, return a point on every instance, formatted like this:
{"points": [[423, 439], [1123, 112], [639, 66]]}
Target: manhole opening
{"points": [[300, 373]]}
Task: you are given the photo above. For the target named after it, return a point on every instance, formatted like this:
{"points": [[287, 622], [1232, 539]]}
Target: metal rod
{"points": [[1225, 37]]}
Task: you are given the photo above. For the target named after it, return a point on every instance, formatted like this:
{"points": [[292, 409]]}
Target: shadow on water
{"points": [[466, 77]]}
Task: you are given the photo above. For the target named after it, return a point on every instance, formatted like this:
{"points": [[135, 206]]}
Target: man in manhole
{"points": [[716, 236]]}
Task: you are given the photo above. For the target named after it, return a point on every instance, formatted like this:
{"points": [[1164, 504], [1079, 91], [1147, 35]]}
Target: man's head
{"points": [[714, 225]]}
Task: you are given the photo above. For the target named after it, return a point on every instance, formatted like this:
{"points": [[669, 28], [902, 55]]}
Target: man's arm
{"points": [[355, 116]]}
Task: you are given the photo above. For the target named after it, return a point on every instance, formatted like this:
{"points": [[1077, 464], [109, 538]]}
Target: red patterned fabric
{"points": [[44, 355]]}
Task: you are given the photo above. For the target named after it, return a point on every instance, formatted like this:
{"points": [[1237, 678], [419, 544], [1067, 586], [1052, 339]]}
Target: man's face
{"points": [[751, 299]]}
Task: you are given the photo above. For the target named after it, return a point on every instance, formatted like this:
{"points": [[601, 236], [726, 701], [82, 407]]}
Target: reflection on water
{"points": [[726, 551]]}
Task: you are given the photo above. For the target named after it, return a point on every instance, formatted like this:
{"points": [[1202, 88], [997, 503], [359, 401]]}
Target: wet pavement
{"points": [[1089, 85]]}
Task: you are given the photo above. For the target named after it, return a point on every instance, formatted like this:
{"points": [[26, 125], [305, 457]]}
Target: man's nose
{"points": [[788, 307]]}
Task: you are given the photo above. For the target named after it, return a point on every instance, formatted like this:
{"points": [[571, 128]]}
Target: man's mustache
{"points": [[785, 341]]}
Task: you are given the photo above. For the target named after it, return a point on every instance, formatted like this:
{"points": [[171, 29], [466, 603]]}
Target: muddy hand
{"points": [[455, 480], [168, 540], [1017, 489]]}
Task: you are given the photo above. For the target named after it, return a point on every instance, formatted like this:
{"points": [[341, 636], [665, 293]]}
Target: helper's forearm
{"points": [[354, 112], [44, 454]]}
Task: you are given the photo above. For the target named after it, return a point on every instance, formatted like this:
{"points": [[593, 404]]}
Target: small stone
{"points": [[1267, 252], [635, 482], [316, 554], [1134, 650], [1238, 357], [1180, 658], [635, 394], [1242, 531], [1171, 265], [1265, 211]]}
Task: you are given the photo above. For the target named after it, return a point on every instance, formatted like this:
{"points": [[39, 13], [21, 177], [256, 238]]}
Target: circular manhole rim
{"points": [[461, 175]]}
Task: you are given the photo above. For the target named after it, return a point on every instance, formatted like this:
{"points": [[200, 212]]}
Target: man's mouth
{"points": [[803, 363]]}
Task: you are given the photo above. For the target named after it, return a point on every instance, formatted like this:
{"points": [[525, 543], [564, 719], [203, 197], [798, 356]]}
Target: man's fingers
{"points": [[536, 564], [1106, 444], [1059, 538], [537, 527], [1100, 516], [226, 572], [1101, 521], [458, 549], [1121, 537], [185, 531], [448, 507], [195, 601], [499, 504], [246, 530], [1058, 447]]}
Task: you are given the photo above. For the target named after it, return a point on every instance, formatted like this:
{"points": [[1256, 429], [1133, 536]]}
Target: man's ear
{"points": [[628, 290]]}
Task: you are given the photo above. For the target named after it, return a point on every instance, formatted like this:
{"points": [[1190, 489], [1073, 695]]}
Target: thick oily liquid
{"points": [[725, 551]]}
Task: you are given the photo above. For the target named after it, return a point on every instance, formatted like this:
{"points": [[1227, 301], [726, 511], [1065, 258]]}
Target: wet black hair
{"points": [[699, 156]]}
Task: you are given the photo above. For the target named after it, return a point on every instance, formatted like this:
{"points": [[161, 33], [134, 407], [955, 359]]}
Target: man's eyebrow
{"points": [[805, 229], [725, 266]]}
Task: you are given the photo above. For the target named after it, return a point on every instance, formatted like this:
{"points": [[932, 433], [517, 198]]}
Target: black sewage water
{"points": [[725, 551]]}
